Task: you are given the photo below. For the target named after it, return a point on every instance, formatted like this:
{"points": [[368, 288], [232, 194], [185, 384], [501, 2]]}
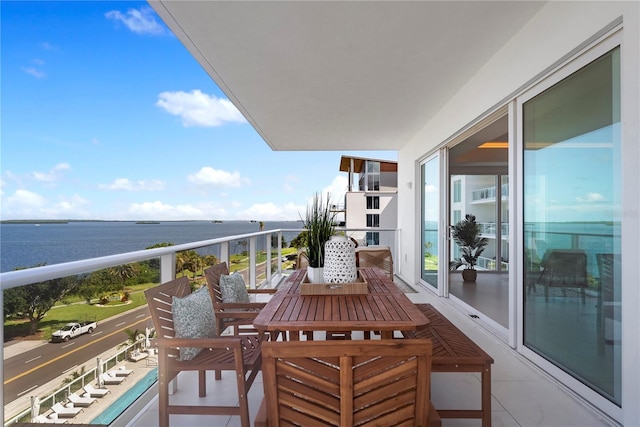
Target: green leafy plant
{"points": [[466, 233], [320, 226]]}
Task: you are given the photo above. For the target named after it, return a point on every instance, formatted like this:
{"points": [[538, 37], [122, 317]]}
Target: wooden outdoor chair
{"points": [[238, 354], [347, 383], [302, 261], [564, 268], [238, 316], [375, 256]]}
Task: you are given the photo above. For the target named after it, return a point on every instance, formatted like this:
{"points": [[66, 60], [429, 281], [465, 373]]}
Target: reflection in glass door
{"points": [[572, 188], [430, 172], [486, 198]]}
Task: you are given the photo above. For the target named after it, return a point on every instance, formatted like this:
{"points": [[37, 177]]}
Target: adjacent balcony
{"points": [[521, 393]]}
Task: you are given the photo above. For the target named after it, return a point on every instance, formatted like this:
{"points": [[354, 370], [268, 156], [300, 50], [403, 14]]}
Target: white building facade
{"points": [[371, 199]]}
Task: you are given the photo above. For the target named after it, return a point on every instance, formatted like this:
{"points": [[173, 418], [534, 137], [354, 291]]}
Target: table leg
{"points": [[486, 396]]}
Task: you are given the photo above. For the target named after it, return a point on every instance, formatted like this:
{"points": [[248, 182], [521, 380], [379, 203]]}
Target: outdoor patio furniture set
{"points": [[385, 381]]}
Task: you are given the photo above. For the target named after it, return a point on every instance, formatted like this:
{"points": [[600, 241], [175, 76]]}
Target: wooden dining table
{"points": [[384, 308]]}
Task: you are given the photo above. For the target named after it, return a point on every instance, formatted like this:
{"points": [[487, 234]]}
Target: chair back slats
{"points": [[159, 300], [212, 274], [236, 316], [347, 383], [379, 257]]}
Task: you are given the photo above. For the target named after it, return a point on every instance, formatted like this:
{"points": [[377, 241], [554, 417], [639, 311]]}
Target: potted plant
{"points": [[466, 233], [319, 226]]}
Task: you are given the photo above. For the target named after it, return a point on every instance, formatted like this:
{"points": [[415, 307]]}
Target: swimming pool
{"points": [[124, 401]]}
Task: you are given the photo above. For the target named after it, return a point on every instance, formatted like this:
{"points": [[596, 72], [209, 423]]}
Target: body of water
{"points": [[27, 245]]}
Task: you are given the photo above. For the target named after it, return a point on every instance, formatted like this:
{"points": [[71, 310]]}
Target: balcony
{"points": [[521, 393]]}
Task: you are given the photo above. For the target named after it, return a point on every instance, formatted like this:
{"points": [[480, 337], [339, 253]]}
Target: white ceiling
{"points": [[352, 75]]}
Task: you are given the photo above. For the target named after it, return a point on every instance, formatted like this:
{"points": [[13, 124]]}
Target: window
{"points": [[373, 176], [373, 202], [372, 238], [457, 191], [373, 220]]}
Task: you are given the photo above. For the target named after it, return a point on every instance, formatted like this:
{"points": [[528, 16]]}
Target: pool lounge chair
{"points": [[81, 401], [111, 380], [120, 372], [91, 391], [65, 412], [41, 419]]}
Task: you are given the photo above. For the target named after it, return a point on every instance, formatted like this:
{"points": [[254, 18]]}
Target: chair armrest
{"points": [[231, 306], [262, 291], [224, 316]]}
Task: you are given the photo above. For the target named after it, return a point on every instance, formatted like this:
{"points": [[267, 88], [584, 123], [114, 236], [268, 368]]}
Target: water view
{"points": [[30, 244]]}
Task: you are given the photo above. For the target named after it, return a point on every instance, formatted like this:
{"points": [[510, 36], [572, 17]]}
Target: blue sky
{"points": [[105, 115]]}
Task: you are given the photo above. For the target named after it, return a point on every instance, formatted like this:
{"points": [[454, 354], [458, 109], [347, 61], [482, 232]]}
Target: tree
{"points": [[134, 335], [123, 272], [33, 301], [210, 260], [243, 244], [188, 260], [300, 241]]}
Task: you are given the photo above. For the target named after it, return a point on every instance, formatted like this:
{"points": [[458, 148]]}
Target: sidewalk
{"points": [[16, 347]]}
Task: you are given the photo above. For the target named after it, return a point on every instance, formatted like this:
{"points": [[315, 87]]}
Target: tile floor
{"points": [[522, 394]]}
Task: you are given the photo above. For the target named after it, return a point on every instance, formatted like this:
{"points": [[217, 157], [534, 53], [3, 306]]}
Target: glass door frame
{"points": [[442, 290]]}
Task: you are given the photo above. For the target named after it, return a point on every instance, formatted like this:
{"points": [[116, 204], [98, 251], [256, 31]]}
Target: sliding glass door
{"points": [[571, 236]]}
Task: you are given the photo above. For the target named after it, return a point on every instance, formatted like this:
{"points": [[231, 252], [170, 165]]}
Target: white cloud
{"points": [[34, 72], [55, 174], [591, 198], [210, 176], [125, 184], [337, 189], [22, 199], [199, 109], [67, 208], [139, 21], [25, 204]]}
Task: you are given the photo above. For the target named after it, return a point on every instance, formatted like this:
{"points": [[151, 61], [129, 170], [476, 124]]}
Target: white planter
{"points": [[340, 260], [315, 274]]}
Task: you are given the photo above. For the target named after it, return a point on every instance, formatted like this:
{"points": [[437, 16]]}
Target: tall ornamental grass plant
{"points": [[320, 226]]}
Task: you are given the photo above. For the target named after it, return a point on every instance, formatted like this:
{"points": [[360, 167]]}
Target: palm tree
{"points": [[123, 272]]}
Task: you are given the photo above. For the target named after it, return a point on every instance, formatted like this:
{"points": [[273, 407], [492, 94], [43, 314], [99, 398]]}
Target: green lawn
{"points": [[75, 308], [61, 314]]}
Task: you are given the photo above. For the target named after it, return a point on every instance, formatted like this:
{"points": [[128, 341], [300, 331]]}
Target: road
{"points": [[29, 370]]}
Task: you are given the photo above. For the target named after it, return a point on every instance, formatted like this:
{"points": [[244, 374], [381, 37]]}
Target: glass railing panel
{"points": [[114, 285]]}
